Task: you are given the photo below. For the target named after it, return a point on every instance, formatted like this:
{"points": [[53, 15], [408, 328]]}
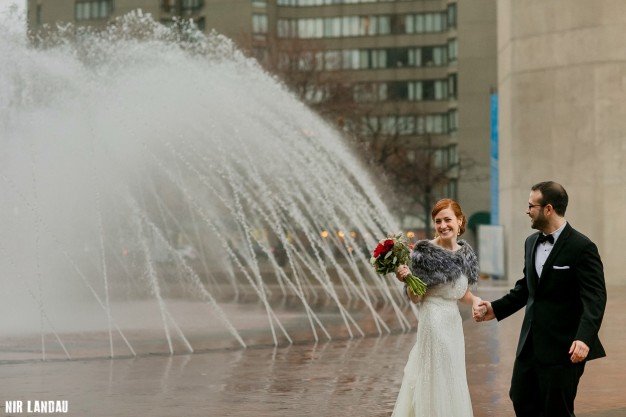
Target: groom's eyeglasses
{"points": [[530, 206]]}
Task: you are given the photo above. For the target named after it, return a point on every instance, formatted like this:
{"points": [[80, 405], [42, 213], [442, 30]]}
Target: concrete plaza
{"points": [[343, 377]]}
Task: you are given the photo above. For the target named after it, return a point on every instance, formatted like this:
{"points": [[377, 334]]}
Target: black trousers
{"points": [[539, 390]]}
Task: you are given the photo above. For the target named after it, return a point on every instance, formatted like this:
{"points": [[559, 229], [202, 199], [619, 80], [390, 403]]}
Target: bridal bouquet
{"points": [[392, 252]]}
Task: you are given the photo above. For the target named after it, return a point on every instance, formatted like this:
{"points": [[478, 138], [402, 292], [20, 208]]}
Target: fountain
{"points": [[154, 182]]}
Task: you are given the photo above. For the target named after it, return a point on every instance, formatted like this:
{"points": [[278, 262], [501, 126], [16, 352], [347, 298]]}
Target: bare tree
{"points": [[418, 168]]}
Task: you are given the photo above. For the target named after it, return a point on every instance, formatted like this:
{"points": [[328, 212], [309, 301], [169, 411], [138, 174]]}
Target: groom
{"points": [[564, 296]]}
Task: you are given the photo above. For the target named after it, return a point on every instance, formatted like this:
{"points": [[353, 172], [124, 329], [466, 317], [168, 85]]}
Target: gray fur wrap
{"points": [[436, 265]]}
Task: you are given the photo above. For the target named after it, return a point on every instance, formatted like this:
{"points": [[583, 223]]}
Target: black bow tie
{"points": [[545, 238]]}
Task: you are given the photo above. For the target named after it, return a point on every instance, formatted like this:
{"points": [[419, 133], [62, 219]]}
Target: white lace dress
{"points": [[435, 382]]}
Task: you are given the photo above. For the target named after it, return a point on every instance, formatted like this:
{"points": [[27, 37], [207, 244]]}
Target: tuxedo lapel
{"points": [[558, 245], [530, 263]]}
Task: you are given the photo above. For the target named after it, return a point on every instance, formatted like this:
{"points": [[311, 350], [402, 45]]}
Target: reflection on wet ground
{"points": [[343, 377]]}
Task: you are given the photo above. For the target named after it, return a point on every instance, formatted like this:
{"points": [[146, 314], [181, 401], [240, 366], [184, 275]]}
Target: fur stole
{"points": [[435, 265]]}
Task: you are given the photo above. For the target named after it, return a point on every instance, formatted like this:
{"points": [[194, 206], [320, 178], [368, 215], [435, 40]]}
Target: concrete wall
{"points": [[477, 65], [562, 84]]}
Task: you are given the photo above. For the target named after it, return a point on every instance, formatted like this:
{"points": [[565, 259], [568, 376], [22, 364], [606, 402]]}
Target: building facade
{"points": [[562, 104], [422, 66]]}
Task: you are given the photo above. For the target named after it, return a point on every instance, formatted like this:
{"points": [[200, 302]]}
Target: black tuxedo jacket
{"points": [[565, 304]]}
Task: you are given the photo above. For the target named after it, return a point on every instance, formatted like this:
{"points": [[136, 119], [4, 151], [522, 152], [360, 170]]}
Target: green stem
{"points": [[416, 285]]}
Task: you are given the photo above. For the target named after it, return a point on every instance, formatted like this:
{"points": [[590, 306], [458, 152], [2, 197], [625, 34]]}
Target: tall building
{"points": [[562, 103], [423, 66]]}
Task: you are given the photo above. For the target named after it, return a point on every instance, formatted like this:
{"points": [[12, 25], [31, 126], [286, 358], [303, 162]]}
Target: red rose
{"points": [[383, 248]]}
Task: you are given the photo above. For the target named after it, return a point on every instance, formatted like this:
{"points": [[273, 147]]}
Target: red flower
{"points": [[383, 248]]}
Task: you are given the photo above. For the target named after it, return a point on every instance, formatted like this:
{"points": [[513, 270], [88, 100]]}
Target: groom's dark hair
{"points": [[554, 194]]}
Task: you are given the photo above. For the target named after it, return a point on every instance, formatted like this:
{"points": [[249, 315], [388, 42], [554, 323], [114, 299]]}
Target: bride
{"points": [[435, 383]]}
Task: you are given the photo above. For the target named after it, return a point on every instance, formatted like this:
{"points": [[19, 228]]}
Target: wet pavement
{"points": [[339, 378]]}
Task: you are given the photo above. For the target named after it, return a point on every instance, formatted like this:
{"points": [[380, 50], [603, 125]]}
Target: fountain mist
{"points": [[145, 171]]}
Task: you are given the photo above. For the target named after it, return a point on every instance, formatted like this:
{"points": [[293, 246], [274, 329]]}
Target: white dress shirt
{"points": [[544, 249]]}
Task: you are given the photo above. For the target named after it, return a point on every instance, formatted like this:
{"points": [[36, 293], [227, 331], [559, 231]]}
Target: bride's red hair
{"points": [[456, 208]]}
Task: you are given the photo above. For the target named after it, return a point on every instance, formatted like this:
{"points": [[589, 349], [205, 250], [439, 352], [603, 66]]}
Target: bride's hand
{"points": [[402, 272], [478, 309]]}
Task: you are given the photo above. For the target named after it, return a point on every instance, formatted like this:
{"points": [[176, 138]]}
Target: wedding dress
{"points": [[435, 382]]}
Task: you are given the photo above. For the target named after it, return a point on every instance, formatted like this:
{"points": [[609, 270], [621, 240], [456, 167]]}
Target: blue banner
{"points": [[494, 186]]}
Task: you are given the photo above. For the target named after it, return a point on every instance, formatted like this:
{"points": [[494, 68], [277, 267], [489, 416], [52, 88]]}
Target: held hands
{"points": [[478, 309], [578, 351], [482, 311]]}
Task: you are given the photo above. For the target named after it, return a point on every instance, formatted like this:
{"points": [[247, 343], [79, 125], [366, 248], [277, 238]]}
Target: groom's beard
{"points": [[540, 222]]}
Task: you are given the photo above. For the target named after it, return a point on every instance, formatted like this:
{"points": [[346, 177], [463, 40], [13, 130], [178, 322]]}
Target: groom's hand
{"points": [[489, 314], [578, 351], [478, 309]]}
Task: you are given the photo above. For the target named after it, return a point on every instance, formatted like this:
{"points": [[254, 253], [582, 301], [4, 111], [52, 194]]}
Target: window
{"points": [[446, 157], [452, 85], [104, 9], [453, 120], [286, 28], [309, 28], [415, 57], [354, 59], [188, 5], [370, 92], [259, 23], [259, 3], [425, 23], [332, 60], [436, 123], [409, 124], [419, 23], [364, 58], [409, 23], [168, 6], [439, 56], [397, 57], [397, 23], [428, 90], [452, 50], [311, 3], [384, 25], [368, 25], [415, 91], [406, 125], [451, 189], [441, 89], [398, 91], [313, 94], [428, 56], [379, 58], [95, 9], [201, 24], [332, 27], [451, 15], [350, 59], [350, 26]]}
